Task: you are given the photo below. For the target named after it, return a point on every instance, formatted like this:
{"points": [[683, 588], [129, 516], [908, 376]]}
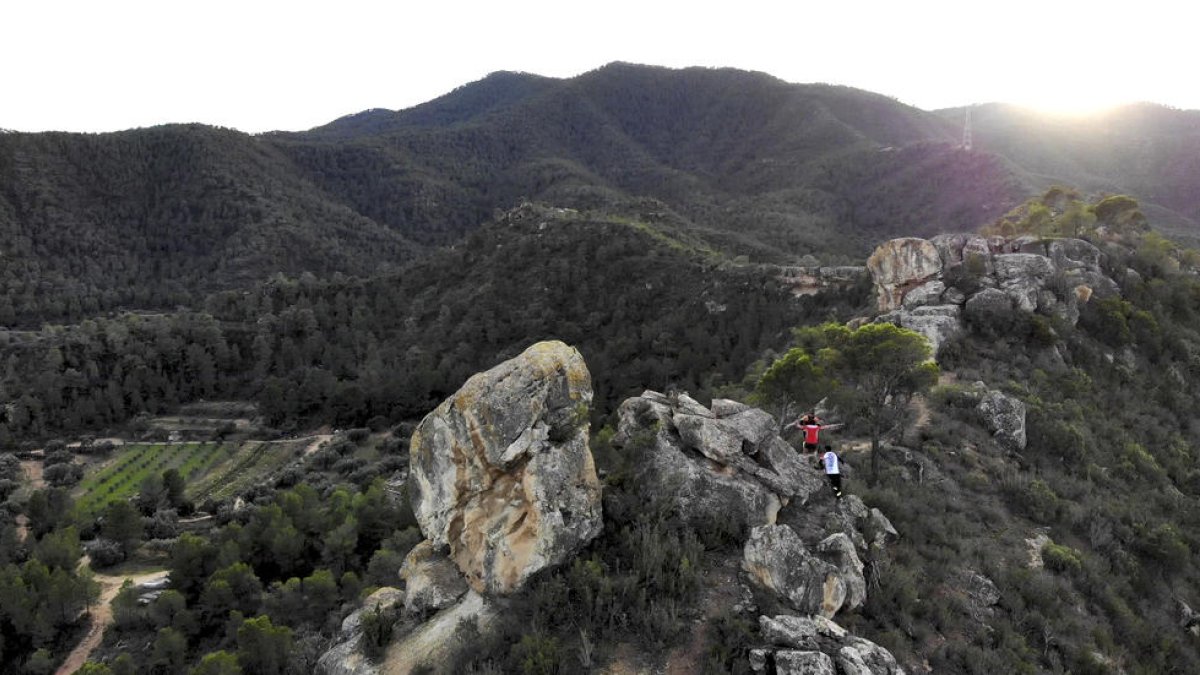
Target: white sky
{"points": [[256, 65]]}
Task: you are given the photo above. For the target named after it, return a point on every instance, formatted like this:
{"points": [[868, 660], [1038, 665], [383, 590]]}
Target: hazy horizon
{"points": [[272, 66]]}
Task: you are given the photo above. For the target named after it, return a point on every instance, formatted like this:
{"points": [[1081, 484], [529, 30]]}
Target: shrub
{"points": [[105, 553], [537, 654], [377, 631], [1062, 559]]}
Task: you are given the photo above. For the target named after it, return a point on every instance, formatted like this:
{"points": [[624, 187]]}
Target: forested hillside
{"points": [[158, 217], [1148, 150], [154, 218], [645, 303]]}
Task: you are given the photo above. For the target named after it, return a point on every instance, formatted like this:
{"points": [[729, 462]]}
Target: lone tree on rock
{"points": [[873, 372]]}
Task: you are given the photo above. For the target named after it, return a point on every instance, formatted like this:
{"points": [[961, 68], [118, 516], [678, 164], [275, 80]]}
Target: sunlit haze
{"points": [[258, 66]]}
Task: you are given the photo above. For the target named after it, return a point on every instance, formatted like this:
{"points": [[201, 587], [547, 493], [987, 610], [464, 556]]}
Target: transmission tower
{"points": [[966, 143]]}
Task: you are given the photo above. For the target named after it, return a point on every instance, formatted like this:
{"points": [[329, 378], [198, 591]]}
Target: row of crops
{"points": [[123, 476], [254, 461]]}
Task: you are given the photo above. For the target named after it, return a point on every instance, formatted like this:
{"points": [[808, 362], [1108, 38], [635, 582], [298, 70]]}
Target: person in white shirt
{"points": [[832, 466]]}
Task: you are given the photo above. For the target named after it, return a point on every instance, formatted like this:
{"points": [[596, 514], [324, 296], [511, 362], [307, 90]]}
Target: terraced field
{"points": [[253, 462], [122, 477], [216, 470]]}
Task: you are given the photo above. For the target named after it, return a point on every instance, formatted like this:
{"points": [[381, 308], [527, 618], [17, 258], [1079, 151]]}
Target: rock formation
{"points": [[345, 658], [901, 265], [503, 485], [813, 279], [502, 474], [810, 635], [726, 465], [776, 561], [930, 285], [431, 581], [1004, 416]]}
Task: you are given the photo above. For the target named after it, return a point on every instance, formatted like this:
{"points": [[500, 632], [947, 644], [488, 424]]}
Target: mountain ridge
{"points": [[753, 165]]}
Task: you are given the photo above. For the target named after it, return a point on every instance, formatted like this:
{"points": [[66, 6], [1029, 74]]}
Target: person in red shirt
{"points": [[811, 425]]}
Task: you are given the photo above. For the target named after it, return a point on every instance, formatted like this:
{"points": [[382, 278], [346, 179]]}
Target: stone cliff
{"points": [[931, 286]]}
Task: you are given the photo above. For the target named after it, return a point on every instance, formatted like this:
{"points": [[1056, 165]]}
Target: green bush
{"points": [[538, 654], [1062, 559], [377, 631]]}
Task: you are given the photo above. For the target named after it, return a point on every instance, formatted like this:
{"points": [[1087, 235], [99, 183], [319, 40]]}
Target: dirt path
{"points": [[33, 474], [102, 616], [317, 442], [721, 592]]}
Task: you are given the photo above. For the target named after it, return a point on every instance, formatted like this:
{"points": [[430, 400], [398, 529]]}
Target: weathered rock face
{"points": [[433, 646], [938, 323], [501, 473], [839, 550], [794, 662], [431, 580], [1004, 416], [859, 656], [981, 593], [851, 654], [345, 658], [989, 276], [900, 265], [723, 465], [812, 279], [776, 561]]}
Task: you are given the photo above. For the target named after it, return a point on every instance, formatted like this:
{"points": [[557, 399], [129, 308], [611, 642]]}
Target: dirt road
{"points": [[317, 442], [33, 474], [102, 616]]}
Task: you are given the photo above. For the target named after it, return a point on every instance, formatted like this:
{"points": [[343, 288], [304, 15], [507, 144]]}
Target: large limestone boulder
{"points": [[501, 474], [795, 662], [901, 264], [725, 465], [850, 653], [777, 562], [431, 580], [839, 550], [433, 646], [1004, 416], [1074, 253], [938, 323], [1022, 275], [859, 656], [989, 307]]}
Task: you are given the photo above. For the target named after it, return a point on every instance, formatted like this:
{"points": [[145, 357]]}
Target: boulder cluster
{"points": [[503, 485], [931, 285], [727, 463]]}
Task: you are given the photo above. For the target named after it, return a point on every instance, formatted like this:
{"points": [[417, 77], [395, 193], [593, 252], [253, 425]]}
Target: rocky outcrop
{"points": [[776, 561], [901, 265], [938, 323], [810, 634], [1004, 416], [989, 278], [812, 279], [501, 474], [726, 464], [431, 581], [345, 658], [433, 646], [981, 593], [840, 551]]}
